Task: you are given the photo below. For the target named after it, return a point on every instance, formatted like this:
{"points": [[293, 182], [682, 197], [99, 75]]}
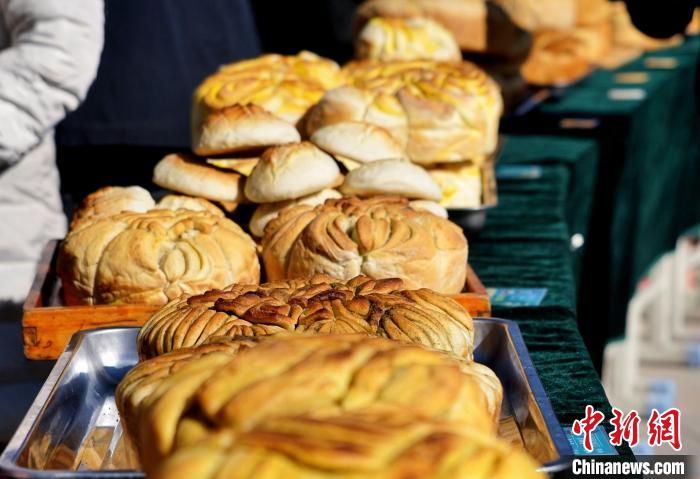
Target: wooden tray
{"points": [[47, 324]]}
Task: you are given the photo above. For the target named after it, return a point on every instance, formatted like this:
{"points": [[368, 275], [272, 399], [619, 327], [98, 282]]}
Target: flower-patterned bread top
{"points": [[154, 257], [312, 305]]}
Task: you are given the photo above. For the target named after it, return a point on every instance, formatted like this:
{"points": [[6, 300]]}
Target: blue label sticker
{"points": [[599, 440], [518, 172], [517, 296]]}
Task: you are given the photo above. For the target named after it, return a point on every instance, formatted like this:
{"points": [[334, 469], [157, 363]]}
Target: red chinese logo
{"points": [[587, 425], [662, 428], [665, 428], [625, 427]]}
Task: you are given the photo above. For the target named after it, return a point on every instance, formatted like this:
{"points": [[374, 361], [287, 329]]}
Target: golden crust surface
{"points": [[315, 305], [556, 57], [286, 86], [381, 237], [154, 257], [438, 111], [298, 396]]}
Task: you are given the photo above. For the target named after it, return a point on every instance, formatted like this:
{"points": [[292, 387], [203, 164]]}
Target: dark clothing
{"points": [[155, 54]]}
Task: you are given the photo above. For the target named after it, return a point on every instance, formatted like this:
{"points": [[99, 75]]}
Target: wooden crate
{"points": [[47, 324]]}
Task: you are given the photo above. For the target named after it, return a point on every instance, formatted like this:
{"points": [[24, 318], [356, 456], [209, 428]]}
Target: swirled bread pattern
{"points": [[352, 446], [438, 111], [286, 86], [392, 39], [209, 402], [381, 237], [315, 305], [154, 257]]}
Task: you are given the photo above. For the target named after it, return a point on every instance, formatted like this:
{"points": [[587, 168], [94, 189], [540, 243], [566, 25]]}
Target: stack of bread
{"points": [[315, 378], [123, 247], [383, 121]]}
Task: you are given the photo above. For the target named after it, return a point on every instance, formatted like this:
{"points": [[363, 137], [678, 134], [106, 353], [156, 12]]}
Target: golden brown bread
{"points": [[189, 175], [465, 19], [391, 39], [557, 57], [352, 446], [318, 304], [536, 15], [240, 128], [154, 257], [285, 86], [111, 200], [173, 404], [288, 172], [177, 202], [437, 111], [381, 237]]}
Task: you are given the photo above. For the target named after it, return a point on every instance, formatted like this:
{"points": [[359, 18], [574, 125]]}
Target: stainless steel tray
{"points": [[72, 429]]}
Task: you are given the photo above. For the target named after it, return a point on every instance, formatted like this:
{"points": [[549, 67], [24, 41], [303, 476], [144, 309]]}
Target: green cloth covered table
{"points": [[580, 157], [526, 244], [648, 178]]}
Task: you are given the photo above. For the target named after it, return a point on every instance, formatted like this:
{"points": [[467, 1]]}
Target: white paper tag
{"points": [[627, 94]]}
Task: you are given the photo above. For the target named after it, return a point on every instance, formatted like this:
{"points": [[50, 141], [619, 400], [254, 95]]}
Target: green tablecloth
{"points": [[525, 244], [648, 180], [580, 157]]}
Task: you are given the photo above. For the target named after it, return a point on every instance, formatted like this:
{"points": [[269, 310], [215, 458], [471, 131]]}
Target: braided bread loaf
{"points": [[318, 304], [227, 395], [439, 112], [382, 237], [352, 446], [154, 257]]}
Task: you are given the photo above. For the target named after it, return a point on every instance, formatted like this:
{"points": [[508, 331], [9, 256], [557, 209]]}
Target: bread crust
{"points": [[439, 112], [241, 128], [187, 174], [287, 172], [381, 237], [391, 177], [153, 257]]}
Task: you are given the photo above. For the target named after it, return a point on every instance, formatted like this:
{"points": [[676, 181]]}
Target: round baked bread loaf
{"points": [[287, 172], [172, 403], [438, 111], [154, 257], [240, 128], [177, 202], [391, 177], [267, 212], [285, 86], [381, 237], [392, 39], [465, 19], [354, 143], [186, 174], [557, 57], [111, 200], [317, 304]]}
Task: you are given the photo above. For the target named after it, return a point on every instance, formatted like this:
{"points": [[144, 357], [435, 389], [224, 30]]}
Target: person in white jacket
{"points": [[49, 52]]}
